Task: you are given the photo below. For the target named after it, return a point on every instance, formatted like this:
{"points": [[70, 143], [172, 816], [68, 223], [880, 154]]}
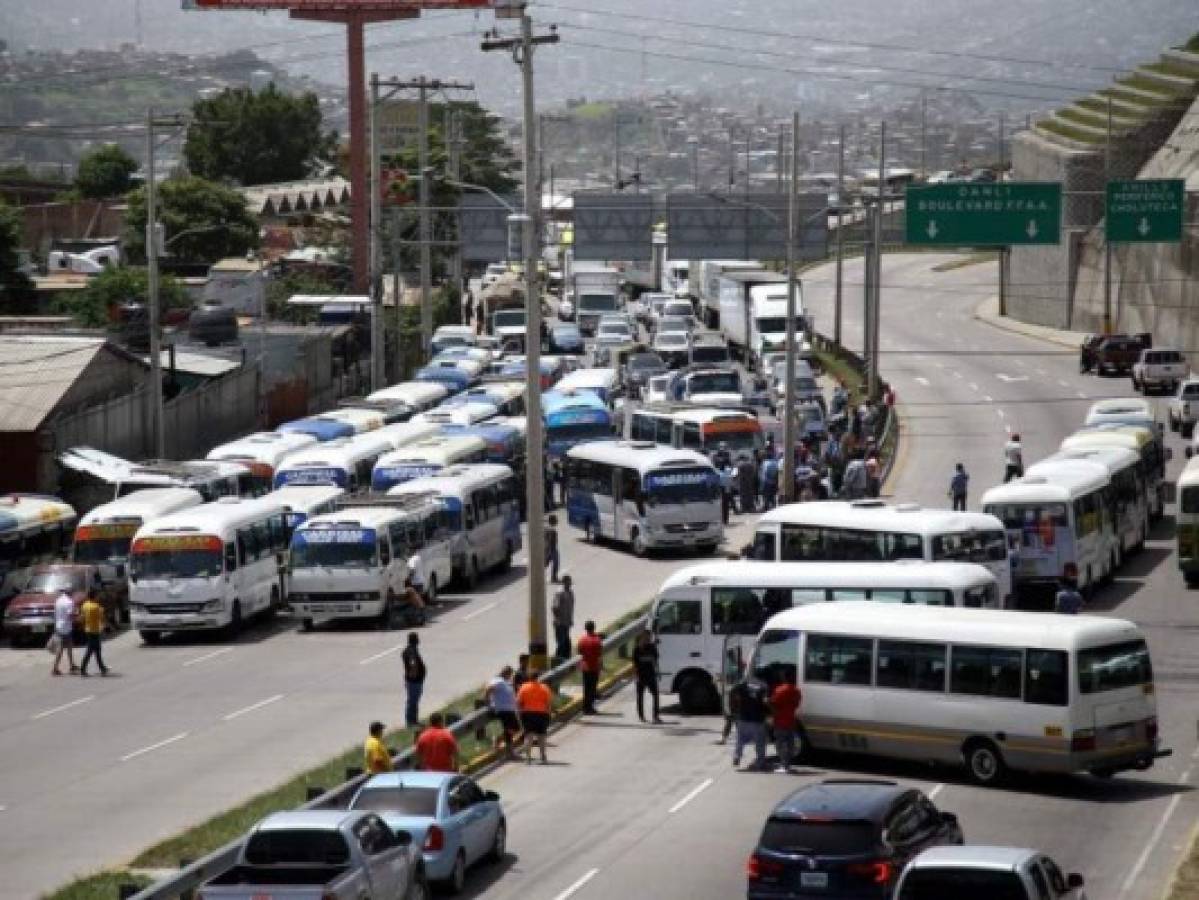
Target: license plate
{"points": [[813, 879]]}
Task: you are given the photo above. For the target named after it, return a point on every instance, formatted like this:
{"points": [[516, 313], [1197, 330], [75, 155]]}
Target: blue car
{"points": [[454, 820]]}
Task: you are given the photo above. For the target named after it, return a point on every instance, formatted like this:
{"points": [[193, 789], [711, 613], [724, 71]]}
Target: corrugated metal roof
{"points": [[35, 373]]}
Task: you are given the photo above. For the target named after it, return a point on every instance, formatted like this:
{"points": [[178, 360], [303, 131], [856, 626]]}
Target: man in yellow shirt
{"points": [[92, 614], [376, 755]]}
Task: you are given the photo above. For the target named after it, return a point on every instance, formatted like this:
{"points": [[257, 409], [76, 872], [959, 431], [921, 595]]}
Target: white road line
{"points": [[136, 753], [1082, 396], [1063, 382], [1135, 872], [253, 706], [58, 709], [207, 656], [691, 795], [987, 398], [973, 386], [932, 795], [921, 379], [574, 888], [1000, 413], [479, 611], [380, 655]]}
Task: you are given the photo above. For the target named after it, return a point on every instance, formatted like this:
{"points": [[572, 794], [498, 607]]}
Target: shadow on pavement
{"points": [[483, 876]]}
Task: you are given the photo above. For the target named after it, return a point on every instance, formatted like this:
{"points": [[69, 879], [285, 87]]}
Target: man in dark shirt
{"points": [[645, 663], [414, 679], [552, 559], [749, 699]]}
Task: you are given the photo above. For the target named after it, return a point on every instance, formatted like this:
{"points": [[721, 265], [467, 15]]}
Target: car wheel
{"points": [[150, 637], [697, 696], [233, 629], [499, 843], [419, 889], [638, 543], [457, 880], [305, 624], [984, 762]]}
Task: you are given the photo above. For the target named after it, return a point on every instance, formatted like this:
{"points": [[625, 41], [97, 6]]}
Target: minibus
{"points": [[706, 429], [33, 529], [1187, 523], [426, 457], [508, 397], [345, 462], [416, 395], [603, 382], [301, 502], [470, 413], [261, 453], [574, 417]]}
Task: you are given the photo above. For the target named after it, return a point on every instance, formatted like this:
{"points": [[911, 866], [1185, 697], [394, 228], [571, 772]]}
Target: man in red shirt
{"points": [[591, 649], [784, 710], [436, 748]]}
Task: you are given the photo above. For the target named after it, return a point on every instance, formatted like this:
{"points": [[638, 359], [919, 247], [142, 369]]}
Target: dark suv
{"points": [[1112, 353], [844, 838]]}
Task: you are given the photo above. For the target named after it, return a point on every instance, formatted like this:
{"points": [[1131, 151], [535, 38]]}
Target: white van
{"points": [[426, 457], [261, 453], [345, 462]]}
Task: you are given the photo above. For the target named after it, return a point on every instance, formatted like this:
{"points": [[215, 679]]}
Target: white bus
{"points": [[602, 382], [345, 462], [261, 453], [105, 534], [482, 514], [874, 531], [470, 413], [361, 420], [1055, 523], [301, 502], [211, 478], [353, 563], [1142, 441], [988, 689], [1187, 522], [33, 529], [418, 395], [1123, 411], [426, 457], [698, 428], [208, 568], [649, 496], [403, 434], [507, 396], [706, 617]]}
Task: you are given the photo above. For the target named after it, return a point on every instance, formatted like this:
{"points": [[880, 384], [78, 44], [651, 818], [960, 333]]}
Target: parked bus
{"points": [[353, 563], [105, 534], [707, 616], [391, 411], [1143, 441], [471, 413], [698, 428], [874, 531], [992, 690], [336, 423], [602, 382], [301, 502], [212, 567], [345, 462], [482, 514], [402, 434], [648, 496], [448, 374], [508, 397], [33, 529], [1054, 522], [573, 418], [505, 443], [1187, 523], [426, 457], [417, 395], [261, 453]]}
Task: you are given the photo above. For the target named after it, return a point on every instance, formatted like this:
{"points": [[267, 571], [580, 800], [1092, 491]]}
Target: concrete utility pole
{"points": [[375, 281], [923, 136], [837, 315], [1107, 244], [454, 143], [792, 290], [522, 53], [878, 261]]}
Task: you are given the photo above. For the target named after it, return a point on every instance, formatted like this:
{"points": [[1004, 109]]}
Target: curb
{"points": [[899, 459], [988, 312], [1192, 847]]}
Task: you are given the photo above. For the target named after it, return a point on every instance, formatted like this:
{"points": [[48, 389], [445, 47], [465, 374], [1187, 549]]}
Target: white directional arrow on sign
{"points": [[1143, 227], [1009, 378], [1031, 230], [932, 228]]}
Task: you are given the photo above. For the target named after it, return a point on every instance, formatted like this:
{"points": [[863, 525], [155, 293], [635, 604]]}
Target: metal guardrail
{"points": [[181, 884]]}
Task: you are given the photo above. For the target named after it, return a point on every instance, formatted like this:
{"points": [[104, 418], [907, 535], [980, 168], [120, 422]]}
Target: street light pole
{"points": [[376, 254], [792, 290], [156, 399]]}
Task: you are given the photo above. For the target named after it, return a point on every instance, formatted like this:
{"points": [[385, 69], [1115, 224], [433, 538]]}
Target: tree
{"points": [[257, 138], [210, 221], [113, 287], [105, 172], [16, 290]]}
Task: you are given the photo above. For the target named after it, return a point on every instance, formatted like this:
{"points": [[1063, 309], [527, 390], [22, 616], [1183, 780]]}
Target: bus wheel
{"points": [[638, 542], [984, 762], [506, 562], [706, 549], [305, 624], [472, 573], [233, 629], [589, 532], [697, 696], [150, 637]]}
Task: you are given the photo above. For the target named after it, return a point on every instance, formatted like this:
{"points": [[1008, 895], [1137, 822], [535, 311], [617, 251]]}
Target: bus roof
{"points": [[556, 401], [702, 415], [454, 480], [908, 573], [877, 514], [466, 413], [582, 379], [361, 419], [414, 393], [356, 517], [263, 446], [403, 433], [322, 429], [342, 451], [958, 625], [640, 455], [491, 389], [303, 497], [1070, 472], [433, 449], [1120, 408], [150, 503], [213, 518], [1062, 484], [1114, 459], [1130, 437]]}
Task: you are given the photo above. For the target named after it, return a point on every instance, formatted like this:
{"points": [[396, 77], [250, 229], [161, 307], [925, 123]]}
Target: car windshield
{"points": [[682, 486], [175, 563], [100, 549], [953, 883], [350, 553], [672, 339], [510, 317], [646, 361], [836, 837], [1115, 666], [614, 328], [597, 302], [53, 583], [673, 323], [401, 800], [297, 846], [714, 382], [710, 354]]}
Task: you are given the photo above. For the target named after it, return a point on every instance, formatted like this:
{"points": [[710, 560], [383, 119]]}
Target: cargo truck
{"points": [[753, 313], [596, 291], [704, 278]]}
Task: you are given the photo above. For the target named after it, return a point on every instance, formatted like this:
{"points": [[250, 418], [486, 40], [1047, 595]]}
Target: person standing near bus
{"points": [[414, 679], [1068, 600], [769, 479], [1013, 459], [591, 653], [747, 485], [645, 664], [64, 630], [749, 699], [563, 611], [784, 711], [957, 487]]}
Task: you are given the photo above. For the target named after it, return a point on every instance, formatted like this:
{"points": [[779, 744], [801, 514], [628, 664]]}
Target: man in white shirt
{"points": [[64, 628], [501, 697], [1013, 458]]}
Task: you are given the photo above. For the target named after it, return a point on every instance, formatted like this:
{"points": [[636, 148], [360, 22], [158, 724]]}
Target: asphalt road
{"points": [[641, 811]]}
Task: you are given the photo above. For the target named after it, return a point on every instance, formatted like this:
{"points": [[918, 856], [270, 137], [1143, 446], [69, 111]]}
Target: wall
{"points": [[88, 218]]}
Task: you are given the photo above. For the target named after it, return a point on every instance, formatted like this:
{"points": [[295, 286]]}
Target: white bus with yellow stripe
{"points": [[1187, 522], [989, 689]]}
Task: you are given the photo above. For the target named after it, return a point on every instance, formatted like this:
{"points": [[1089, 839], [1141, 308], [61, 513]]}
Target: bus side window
{"points": [[763, 546], [630, 487], [1046, 678], [736, 611], [679, 617]]}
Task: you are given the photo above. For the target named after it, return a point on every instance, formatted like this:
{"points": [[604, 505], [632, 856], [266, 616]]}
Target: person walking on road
{"points": [[414, 679], [748, 699], [563, 612], [784, 712], [645, 663], [501, 699], [1069, 599], [747, 484], [726, 490], [1013, 459], [957, 487], [436, 748], [533, 701], [591, 651], [64, 631], [769, 481], [376, 757], [93, 632], [552, 559]]}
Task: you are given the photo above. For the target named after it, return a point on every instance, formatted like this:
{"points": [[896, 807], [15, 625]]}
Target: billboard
{"points": [[744, 226], [399, 125], [483, 226], [613, 226]]}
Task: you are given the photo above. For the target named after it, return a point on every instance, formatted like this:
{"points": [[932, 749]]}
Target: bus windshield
{"points": [[681, 486], [175, 563], [747, 439], [581, 431], [94, 550], [340, 549], [1113, 667]]}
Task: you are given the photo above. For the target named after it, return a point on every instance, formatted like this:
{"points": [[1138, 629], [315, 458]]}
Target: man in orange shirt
{"points": [[784, 710], [591, 649], [533, 700], [436, 748]]}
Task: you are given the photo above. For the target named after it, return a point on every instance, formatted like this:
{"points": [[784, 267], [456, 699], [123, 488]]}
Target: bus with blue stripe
{"points": [[346, 463], [572, 417], [648, 496], [508, 397], [446, 373], [426, 457]]}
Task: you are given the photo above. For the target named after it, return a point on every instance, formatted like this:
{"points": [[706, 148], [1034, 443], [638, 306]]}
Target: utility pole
{"points": [[732, 161], [522, 53], [778, 163], [840, 236], [454, 167], [375, 218], [792, 290], [878, 262], [923, 135], [1107, 244]]}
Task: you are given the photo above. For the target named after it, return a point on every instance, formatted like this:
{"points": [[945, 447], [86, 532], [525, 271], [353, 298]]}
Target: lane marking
{"points": [[1082, 396], [171, 740], [987, 398], [1063, 382], [932, 795], [1004, 376], [380, 655], [973, 386], [1135, 872], [479, 611], [253, 706], [921, 380], [1000, 413], [691, 795], [207, 656], [58, 709], [574, 888]]}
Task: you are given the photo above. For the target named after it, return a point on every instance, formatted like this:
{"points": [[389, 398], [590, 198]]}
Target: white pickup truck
{"points": [[1159, 368], [1183, 411], [323, 855]]}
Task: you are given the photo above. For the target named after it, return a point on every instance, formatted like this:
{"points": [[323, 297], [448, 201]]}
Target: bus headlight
{"points": [[213, 606]]}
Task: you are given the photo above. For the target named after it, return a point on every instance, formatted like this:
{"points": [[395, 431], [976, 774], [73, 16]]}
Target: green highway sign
{"points": [[1149, 210], [979, 214]]}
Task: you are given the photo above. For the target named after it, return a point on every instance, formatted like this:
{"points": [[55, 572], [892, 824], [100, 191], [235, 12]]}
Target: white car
{"points": [[1183, 409], [657, 389], [493, 274], [673, 346], [1162, 369], [978, 871]]}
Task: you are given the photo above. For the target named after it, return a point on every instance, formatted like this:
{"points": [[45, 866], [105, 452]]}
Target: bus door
{"points": [[627, 504], [736, 615]]}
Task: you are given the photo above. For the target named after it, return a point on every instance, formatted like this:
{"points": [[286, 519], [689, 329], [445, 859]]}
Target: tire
{"points": [[506, 563], [419, 889], [697, 696], [984, 762], [1192, 580], [233, 629], [637, 543], [472, 574], [499, 844], [706, 549], [306, 624], [457, 880], [431, 590], [589, 534], [272, 607], [150, 637]]}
